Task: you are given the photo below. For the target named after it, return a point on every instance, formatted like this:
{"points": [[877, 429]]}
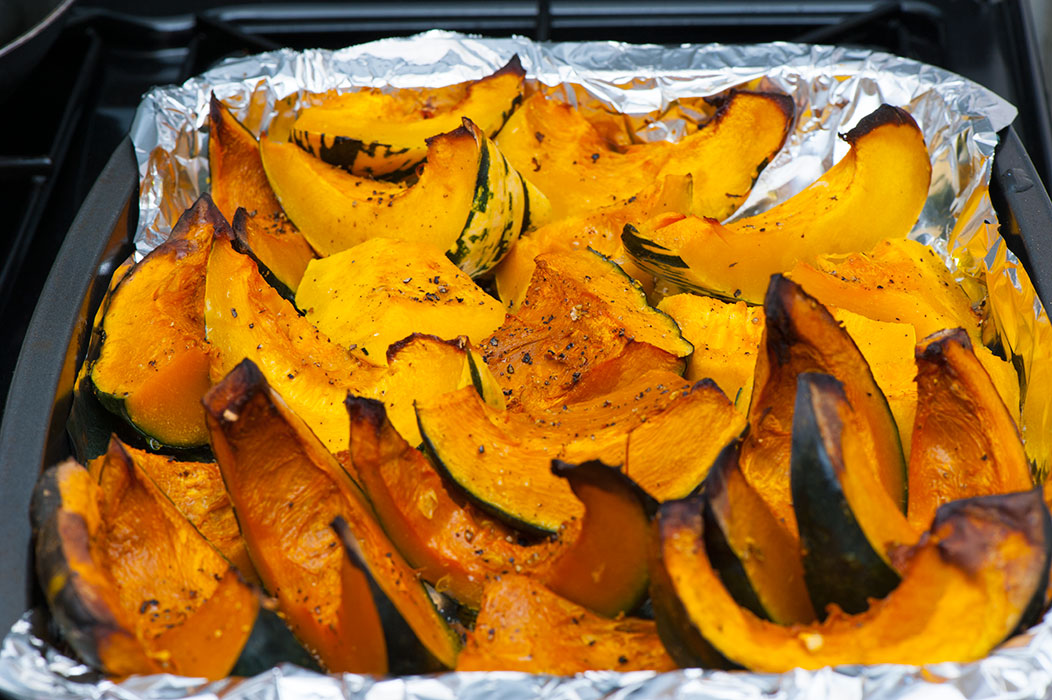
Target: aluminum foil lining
{"points": [[833, 88]]}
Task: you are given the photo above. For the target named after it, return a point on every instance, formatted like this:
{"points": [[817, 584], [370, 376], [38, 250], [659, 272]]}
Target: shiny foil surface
{"points": [[833, 88]]}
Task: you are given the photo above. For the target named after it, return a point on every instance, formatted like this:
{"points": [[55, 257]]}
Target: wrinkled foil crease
{"points": [[833, 88]]}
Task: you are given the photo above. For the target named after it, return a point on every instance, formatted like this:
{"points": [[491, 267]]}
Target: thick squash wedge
{"points": [[523, 626], [502, 458], [580, 311], [196, 489], [756, 561], [376, 133], [382, 290], [468, 201], [187, 612], [965, 442], [557, 149], [802, 336], [287, 489], [964, 590], [238, 181], [599, 230], [852, 207], [153, 362], [848, 524]]}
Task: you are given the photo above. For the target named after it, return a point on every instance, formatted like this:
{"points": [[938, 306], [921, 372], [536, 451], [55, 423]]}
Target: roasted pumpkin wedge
{"points": [[726, 339], [557, 149], [133, 586], [756, 561], [382, 290], [377, 133], [153, 362], [581, 310], [468, 201], [965, 442], [847, 522], [703, 418], [523, 626], [614, 373], [287, 489], [802, 336], [964, 589], [852, 207], [599, 230], [196, 489], [238, 181], [459, 549], [502, 458]]}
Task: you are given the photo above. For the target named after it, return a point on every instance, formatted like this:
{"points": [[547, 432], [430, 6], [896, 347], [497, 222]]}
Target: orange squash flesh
{"points": [[286, 489], [566, 157], [196, 489], [801, 336], [238, 180], [523, 626], [153, 335], [852, 207], [964, 589], [965, 442]]}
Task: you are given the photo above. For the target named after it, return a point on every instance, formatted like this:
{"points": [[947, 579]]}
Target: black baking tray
{"points": [[33, 433]]}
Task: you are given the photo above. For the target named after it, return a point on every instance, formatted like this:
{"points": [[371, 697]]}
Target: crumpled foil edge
{"points": [[833, 87]]}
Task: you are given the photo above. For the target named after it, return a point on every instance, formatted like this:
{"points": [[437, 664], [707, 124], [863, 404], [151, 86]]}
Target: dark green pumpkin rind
{"points": [[840, 564], [405, 653], [241, 245], [680, 637]]}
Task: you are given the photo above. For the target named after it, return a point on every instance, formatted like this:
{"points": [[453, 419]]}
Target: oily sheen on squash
{"points": [[852, 207], [964, 589], [287, 489]]}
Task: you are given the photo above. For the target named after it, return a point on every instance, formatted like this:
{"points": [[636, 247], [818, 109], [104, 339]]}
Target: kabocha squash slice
{"points": [[523, 626], [581, 310], [133, 586], [502, 458], [964, 589], [196, 489], [287, 489], [153, 361], [556, 148], [596, 560], [373, 133], [852, 207], [965, 442], [756, 561], [599, 230], [382, 290], [468, 201], [802, 336], [848, 525], [238, 181]]}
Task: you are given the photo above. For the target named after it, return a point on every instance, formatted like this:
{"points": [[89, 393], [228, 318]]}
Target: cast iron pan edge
{"points": [[33, 433]]}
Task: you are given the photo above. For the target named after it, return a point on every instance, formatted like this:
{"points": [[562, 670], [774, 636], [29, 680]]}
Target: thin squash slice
{"points": [[848, 524], [287, 489], [802, 336], [756, 561], [239, 181], [468, 201], [852, 207], [964, 589], [965, 441], [376, 133], [523, 626], [581, 310], [557, 149], [133, 586], [153, 361], [382, 290]]}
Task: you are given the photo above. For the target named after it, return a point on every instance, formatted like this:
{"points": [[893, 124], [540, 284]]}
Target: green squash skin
{"points": [[840, 564], [240, 243]]}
